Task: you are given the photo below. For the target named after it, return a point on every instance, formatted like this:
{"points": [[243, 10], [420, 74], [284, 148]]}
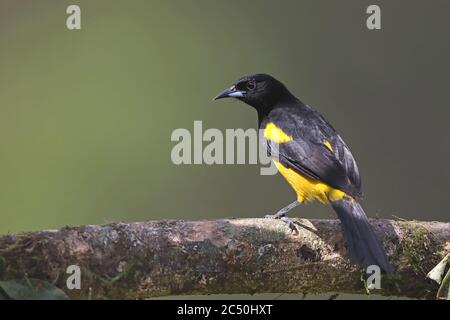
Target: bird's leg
{"points": [[282, 215], [283, 212]]}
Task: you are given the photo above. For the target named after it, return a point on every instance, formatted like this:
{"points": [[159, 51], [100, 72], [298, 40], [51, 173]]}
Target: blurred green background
{"points": [[86, 116]]}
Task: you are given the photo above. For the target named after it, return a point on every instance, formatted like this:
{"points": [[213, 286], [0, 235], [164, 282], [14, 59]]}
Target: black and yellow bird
{"points": [[314, 160]]}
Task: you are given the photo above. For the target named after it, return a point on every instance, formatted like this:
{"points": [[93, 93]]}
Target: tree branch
{"points": [[158, 258]]}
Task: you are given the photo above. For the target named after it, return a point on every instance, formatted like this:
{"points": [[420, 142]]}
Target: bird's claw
{"points": [[290, 222]]}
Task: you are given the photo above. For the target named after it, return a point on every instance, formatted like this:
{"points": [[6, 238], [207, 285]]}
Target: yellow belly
{"points": [[308, 189]]}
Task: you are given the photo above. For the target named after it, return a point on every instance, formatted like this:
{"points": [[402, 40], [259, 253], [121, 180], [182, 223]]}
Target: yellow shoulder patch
{"points": [[275, 134], [328, 145]]}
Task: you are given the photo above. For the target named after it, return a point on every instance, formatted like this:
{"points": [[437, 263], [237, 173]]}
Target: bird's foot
{"points": [[277, 215], [290, 222]]}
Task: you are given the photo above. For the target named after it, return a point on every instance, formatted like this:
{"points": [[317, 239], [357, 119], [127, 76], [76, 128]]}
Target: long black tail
{"points": [[363, 245]]}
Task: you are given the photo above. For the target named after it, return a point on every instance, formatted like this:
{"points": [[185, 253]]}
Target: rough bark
{"points": [[158, 258]]}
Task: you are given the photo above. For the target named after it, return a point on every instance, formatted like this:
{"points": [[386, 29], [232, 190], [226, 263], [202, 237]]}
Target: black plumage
{"points": [[307, 152]]}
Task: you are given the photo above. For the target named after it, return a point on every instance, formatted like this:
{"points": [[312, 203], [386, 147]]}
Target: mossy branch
{"points": [[158, 258]]}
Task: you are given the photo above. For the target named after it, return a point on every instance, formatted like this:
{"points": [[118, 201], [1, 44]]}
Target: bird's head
{"points": [[259, 90]]}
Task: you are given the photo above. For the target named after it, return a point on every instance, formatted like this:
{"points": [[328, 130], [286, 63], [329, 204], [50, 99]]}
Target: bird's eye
{"points": [[251, 85]]}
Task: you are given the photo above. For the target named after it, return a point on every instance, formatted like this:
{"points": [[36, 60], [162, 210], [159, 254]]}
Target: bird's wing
{"points": [[316, 150]]}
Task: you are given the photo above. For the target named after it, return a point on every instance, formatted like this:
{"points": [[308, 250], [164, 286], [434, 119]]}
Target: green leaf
{"points": [[30, 289], [438, 272], [445, 284]]}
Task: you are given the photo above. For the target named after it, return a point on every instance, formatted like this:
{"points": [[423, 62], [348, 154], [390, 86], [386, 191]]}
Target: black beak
{"points": [[229, 92]]}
